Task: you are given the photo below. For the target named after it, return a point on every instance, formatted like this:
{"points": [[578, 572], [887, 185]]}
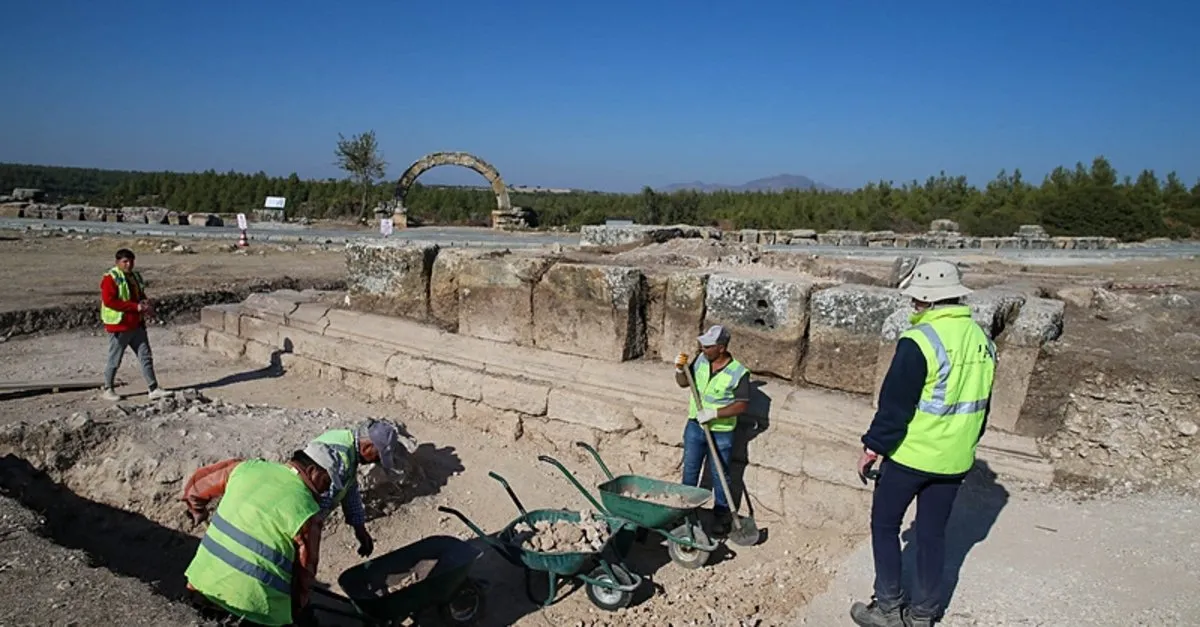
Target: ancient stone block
{"points": [[195, 219], [272, 307], [1040, 320], [443, 286], [817, 504], [157, 215], [515, 393], [424, 403], [505, 424], [764, 487], [309, 317], [844, 335], [390, 278], [224, 344], [300, 365], [453, 380], [560, 437], [262, 331], [409, 370], [596, 311], [590, 411], [193, 336], [374, 387], [347, 354], [666, 427], [994, 308], [944, 225], [656, 294], [72, 212], [595, 235], [766, 316], [216, 317], [496, 296], [261, 354], [683, 313]]}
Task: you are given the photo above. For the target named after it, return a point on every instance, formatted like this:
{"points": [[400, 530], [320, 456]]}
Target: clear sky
{"points": [[606, 95]]}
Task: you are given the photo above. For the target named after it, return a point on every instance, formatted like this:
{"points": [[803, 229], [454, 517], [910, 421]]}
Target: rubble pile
{"points": [[562, 536]]}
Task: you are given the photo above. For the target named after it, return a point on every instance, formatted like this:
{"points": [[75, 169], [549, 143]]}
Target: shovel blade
{"points": [[745, 532]]}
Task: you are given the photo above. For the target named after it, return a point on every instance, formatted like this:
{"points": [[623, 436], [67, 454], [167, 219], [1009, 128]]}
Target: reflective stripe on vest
{"points": [[960, 363], [112, 316], [717, 392], [245, 560]]}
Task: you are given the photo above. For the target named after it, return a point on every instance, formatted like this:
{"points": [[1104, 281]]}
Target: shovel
{"points": [[745, 531]]}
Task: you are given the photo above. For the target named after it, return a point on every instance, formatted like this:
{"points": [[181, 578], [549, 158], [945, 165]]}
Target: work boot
{"points": [[109, 395], [722, 522], [872, 615], [917, 621], [158, 393]]}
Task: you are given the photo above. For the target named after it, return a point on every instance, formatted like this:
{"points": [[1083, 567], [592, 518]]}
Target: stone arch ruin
{"points": [[466, 160]]}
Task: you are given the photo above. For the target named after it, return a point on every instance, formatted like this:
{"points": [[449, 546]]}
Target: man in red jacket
{"points": [[123, 309]]}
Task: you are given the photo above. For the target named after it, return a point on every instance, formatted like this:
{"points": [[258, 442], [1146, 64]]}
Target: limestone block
{"points": [[589, 411], [424, 403], [515, 393], [261, 331], [802, 234], [272, 307], [944, 225], [764, 487], [409, 370], [300, 365], [443, 286], [1040, 320], [767, 318], [656, 295], [72, 212], [843, 335], [261, 354], [225, 345], [218, 318], [505, 424], [195, 219], [994, 308], [390, 278], [817, 504], [683, 313], [374, 387], [665, 427], [339, 352], [593, 235], [496, 296], [12, 210], [157, 215], [749, 236], [193, 336], [560, 437], [596, 311], [309, 317], [453, 380]]}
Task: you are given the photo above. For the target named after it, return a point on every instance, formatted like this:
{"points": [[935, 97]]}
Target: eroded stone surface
{"points": [[590, 310], [767, 319], [443, 286], [683, 313], [1039, 321], [844, 335], [390, 278], [495, 296]]}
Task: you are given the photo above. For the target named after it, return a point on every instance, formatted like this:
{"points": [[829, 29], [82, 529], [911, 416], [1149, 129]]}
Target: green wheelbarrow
{"points": [[609, 583], [638, 500]]}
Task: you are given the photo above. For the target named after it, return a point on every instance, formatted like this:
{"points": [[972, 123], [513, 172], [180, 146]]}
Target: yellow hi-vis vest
{"points": [[716, 392], [112, 316], [244, 562], [344, 443], [960, 364]]}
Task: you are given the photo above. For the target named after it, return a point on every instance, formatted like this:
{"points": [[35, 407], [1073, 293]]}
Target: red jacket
{"points": [[109, 294]]}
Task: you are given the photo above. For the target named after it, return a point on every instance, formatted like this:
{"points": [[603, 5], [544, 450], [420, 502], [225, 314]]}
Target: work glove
{"points": [[366, 544], [681, 362], [706, 415], [198, 516]]}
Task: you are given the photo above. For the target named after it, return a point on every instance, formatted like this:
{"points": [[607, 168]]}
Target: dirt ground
{"points": [[46, 270], [136, 458]]}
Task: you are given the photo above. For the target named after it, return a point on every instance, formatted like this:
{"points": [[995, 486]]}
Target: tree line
{"points": [[1082, 200]]}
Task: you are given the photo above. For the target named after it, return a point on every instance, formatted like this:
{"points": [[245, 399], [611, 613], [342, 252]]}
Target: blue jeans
{"points": [[895, 491], [695, 451]]}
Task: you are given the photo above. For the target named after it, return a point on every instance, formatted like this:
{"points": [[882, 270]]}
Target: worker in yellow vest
{"points": [[258, 558], [724, 385], [342, 450], [933, 408]]}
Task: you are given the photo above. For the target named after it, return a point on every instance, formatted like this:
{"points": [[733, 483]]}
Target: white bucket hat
{"points": [[934, 281]]}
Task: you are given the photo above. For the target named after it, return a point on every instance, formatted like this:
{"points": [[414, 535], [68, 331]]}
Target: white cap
{"points": [[934, 281], [716, 334]]}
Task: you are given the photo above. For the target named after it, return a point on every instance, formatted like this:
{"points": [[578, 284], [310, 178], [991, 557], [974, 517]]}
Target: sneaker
{"points": [[872, 615], [109, 395], [158, 393]]}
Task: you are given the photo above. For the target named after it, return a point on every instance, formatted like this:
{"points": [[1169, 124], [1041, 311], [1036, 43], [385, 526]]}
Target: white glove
{"points": [[706, 415]]}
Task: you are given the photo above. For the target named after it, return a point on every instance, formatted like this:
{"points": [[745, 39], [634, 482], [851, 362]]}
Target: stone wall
{"points": [[784, 325], [130, 215], [797, 447]]}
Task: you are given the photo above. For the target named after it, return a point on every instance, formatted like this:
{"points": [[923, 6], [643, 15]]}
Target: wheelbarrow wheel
{"points": [[466, 607], [685, 556], [607, 598]]}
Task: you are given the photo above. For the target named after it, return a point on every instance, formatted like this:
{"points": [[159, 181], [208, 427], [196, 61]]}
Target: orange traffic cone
{"points": [[242, 243]]}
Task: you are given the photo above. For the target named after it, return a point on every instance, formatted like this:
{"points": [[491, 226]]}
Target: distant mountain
{"points": [[775, 183]]}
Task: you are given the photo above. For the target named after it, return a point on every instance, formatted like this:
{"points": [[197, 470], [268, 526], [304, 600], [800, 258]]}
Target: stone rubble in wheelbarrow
{"points": [[670, 500], [586, 536], [398, 581]]}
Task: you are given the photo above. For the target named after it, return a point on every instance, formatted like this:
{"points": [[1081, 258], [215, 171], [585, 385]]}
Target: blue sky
{"points": [[606, 95]]}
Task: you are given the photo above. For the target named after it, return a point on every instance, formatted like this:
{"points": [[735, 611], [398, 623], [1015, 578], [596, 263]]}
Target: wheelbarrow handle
{"points": [[512, 495], [588, 447], [575, 482], [469, 523]]}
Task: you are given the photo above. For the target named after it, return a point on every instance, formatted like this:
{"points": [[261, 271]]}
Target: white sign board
{"points": [[385, 226], [242, 221], [275, 202]]}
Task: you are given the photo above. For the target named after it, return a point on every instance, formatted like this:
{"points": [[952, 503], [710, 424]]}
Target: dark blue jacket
{"points": [[898, 399]]}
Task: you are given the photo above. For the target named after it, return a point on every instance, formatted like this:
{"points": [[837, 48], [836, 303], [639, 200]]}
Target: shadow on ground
{"points": [[979, 503]]}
